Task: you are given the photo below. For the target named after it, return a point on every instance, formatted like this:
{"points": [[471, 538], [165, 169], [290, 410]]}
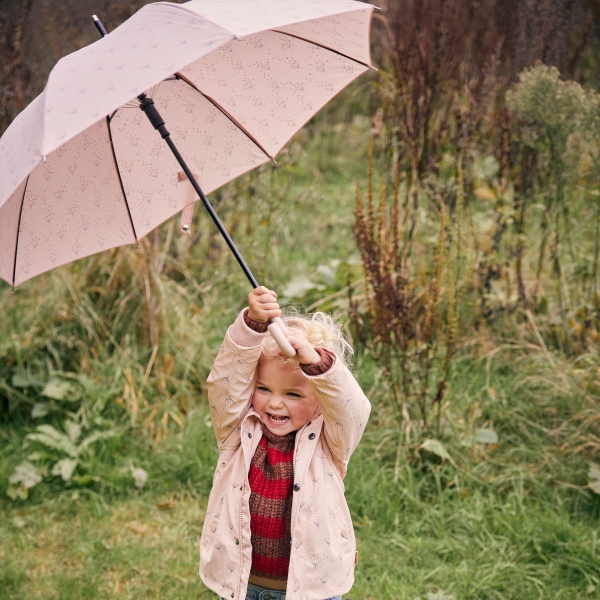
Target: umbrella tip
{"points": [[94, 17]]}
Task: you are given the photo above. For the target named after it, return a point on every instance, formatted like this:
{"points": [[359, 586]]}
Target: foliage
{"points": [[64, 452], [409, 322]]}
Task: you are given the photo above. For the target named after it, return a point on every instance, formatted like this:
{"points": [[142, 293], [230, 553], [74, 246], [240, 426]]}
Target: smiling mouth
{"points": [[277, 419]]}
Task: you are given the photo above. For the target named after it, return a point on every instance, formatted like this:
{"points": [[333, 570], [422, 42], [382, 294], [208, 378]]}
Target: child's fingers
{"points": [[269, 306], [266, 299], [261, 289]]}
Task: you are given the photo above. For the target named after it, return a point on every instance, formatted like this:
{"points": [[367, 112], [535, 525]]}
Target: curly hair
{"points": [[318, 328]]}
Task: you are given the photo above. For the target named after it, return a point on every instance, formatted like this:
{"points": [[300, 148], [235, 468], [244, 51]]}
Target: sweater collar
{"points": [[278, 440]]}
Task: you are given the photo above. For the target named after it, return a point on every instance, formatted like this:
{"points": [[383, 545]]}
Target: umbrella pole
{"points": [[148, 107], [277, 326]]}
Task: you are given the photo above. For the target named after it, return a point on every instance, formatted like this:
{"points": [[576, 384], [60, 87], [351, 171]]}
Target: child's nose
{"points": [[276, 402]]}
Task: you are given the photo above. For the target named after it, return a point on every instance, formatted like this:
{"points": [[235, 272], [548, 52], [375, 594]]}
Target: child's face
{"points": [[283, 397]]}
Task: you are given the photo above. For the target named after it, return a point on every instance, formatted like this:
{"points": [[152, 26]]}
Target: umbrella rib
{"points": [[112, 147], [18, 232], [228, 115], [298, 37]]}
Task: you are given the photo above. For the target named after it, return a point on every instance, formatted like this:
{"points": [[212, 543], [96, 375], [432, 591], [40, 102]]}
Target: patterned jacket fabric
{"points": [[323, 546]]}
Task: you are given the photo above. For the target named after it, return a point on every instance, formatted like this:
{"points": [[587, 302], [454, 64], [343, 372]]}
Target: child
{"points": [[277, 523]]}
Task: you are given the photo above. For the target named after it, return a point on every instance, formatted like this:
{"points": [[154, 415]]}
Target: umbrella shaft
{"points": [[149, 109]]}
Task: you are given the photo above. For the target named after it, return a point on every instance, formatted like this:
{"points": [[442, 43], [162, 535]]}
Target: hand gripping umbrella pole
{"points": [[277, 326]]}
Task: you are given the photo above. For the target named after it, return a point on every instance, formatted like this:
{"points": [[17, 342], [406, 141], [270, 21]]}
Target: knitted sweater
{"points": [[271, 478]]}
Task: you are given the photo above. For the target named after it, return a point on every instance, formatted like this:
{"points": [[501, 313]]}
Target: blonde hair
{"points": [[318, 328]]}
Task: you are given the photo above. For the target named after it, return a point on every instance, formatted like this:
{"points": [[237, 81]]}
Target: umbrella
{"points": [[225, 84]]}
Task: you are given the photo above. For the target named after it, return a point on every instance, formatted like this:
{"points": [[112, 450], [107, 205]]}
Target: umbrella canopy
{"points": [[81, 170]]}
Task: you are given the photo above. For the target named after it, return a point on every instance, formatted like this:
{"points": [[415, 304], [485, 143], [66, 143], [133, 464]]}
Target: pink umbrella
{"points": [[80, 170]]}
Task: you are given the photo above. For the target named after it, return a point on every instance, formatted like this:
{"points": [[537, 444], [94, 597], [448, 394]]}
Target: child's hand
{"points": [[305, 351], [263, 305]]}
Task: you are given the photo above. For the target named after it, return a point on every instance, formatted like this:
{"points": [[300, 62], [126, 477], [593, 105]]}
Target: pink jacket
{"points": [[323, 545]]}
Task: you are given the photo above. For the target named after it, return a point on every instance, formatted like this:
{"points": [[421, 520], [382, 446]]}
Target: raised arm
{"points": [[230, 382], [231, 379], [344, 406]]}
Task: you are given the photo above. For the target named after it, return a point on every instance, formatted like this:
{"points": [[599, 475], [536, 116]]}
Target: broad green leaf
{"points": [[594, 472], [468, 441], [51, 438], [65, 468], [25, 474], [58, 390], [74, 430], [39, 409], [485, 436], [594, 477], [24, 381], [435, 447], [84, 480]]}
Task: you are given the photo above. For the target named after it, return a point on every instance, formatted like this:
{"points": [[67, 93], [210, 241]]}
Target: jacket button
{"points": [[311, 436], [233, 595], [223, 464], [237, 542], [213, 527], [249, 435], [296, 487]]}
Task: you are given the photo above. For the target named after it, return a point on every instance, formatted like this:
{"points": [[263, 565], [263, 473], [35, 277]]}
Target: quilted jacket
{"points": [[323, 545]]}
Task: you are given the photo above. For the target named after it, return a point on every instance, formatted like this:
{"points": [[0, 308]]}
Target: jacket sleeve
{"points": [[345, 411], [231, 381]]}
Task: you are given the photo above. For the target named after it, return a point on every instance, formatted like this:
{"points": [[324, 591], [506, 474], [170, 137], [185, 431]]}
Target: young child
{"points": [[277, 523]]}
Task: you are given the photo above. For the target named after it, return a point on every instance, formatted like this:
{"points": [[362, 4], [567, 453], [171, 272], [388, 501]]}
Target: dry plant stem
{"points": [[405, 321]]}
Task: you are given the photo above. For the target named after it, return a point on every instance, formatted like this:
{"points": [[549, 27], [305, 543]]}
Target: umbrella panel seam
{"points": [[225, 113], [112, 148], [298, 37], [18, 232]]}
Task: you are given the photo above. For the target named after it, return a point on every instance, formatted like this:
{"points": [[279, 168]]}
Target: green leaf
{"points": [[58, 390], [84, 480], [485, 436], [74, 430], [24, 381], [26, 474], [51, 438], [594, 478], [435, 447], [39, 409], [65, 468]]}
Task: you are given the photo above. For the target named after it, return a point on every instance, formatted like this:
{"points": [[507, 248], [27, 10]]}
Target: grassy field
{"points": [[512, 520]]}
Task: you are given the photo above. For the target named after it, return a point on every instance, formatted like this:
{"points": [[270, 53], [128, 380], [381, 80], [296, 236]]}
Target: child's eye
{"points": [[293, 395], [262, 388]]}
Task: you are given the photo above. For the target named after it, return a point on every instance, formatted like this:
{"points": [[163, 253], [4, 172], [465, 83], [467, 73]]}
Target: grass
{"points": [[512, 521]]}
